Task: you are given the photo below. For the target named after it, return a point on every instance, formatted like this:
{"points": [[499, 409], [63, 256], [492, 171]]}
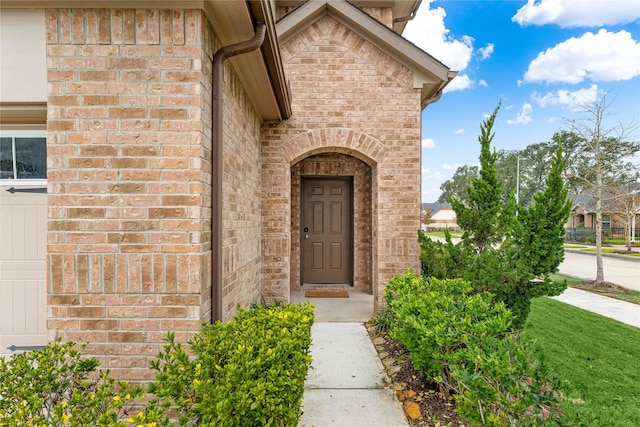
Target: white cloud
{"points": [[450, 167], [577, 13], [428, 143], [460, 82], [426, 176], [483, 83], [487, 51], [564, 97], [458, 131], [603, 57], [524, 116], [427, 31]]}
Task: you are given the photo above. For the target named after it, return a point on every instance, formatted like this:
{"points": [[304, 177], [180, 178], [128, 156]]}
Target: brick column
{"points": [[129, 169]]}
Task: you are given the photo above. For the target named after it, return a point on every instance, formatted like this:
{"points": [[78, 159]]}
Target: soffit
{"points": [[430, 75]]}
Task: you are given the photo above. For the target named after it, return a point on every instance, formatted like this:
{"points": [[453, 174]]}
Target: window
{"points": [[606, 222], [23, 156]]}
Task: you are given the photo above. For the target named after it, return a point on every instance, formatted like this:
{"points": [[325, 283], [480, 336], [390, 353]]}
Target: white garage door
{"points": [[23, 227]]}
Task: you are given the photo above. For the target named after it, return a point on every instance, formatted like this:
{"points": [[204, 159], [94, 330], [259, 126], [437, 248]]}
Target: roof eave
{"points": [[235, 22], [430, 75]]}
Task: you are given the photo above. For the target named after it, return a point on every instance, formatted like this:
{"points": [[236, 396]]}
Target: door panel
{"points": [[326, 230], [23, 227]]}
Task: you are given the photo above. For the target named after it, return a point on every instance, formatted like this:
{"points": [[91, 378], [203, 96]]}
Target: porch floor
{"points": [[357, 308]]}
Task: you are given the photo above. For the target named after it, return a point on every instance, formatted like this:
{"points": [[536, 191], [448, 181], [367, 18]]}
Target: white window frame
{"points": [[23, 134]]}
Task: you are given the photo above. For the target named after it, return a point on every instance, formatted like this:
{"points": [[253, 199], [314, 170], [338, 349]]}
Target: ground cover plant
{"points": [[461, 340], [595, 360]]}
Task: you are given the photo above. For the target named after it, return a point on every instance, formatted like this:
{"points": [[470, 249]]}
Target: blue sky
{"points": [[540, 58]]}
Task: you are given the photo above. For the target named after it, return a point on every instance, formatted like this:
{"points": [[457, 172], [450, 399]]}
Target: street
{"points": [[619, 271]]}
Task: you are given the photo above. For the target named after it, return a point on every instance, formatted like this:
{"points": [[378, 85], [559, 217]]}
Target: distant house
{"points": [[615, 207], [441, 215], [620, 215]]}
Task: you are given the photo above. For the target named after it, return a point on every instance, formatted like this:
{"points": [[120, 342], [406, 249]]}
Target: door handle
{"points": [[306, 236]]}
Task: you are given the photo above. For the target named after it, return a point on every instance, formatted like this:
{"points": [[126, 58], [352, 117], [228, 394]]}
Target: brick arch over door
{"points": [[340, 140]]}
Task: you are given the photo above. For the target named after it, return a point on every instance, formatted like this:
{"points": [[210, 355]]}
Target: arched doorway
{"points": [[337, 172]]}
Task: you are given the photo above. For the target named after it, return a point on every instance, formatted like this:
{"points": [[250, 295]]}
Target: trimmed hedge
{"points": [[461, 340], [247, 372]]}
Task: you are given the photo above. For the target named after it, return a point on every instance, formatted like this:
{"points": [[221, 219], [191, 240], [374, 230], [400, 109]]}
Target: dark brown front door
{"points": [[326, 230]]}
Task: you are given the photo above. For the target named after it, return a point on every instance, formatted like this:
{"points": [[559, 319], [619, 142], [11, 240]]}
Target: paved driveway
{"points": [[617, 270]]}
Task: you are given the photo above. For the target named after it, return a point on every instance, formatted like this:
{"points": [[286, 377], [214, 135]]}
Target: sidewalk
{"points": [[347, 384], [621, 311]]}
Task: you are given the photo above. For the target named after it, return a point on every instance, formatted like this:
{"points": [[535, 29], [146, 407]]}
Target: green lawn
{"points": [[595, 359], [441, 233], [612, 251]]}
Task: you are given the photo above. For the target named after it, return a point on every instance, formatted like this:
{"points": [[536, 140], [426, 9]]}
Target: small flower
{"points": [[116, 398]]}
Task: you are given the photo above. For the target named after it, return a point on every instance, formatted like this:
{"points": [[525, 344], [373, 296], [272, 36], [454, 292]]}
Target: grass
{"points": [[441, 233], [612, 251], [595, 360]]}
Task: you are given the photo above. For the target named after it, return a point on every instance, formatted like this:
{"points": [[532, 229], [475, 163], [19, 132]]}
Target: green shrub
{"points": [[460, 339], [247, 372], [56, 386], [439, 320], [499, 384]]}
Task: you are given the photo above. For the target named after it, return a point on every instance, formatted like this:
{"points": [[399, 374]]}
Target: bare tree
{"points": [[600, 155]]}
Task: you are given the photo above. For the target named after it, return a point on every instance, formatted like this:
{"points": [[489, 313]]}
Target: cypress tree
{"points": [[503, 253]]}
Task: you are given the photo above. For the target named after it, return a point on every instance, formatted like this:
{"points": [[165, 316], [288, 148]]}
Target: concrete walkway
{"points": [[621, 311], [347, 385]]}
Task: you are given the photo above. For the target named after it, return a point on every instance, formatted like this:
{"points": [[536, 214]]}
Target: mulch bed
{"points": [[434, 410], [591, 285]]}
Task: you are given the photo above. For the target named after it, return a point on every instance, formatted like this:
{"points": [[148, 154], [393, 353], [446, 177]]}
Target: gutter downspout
{"points": [[450, 76], [406, 18], [219, 57]]}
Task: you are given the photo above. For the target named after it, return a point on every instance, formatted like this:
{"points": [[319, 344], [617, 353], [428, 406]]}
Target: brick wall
{"points": [[348, 97], [129, 169], [241, 242]]}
